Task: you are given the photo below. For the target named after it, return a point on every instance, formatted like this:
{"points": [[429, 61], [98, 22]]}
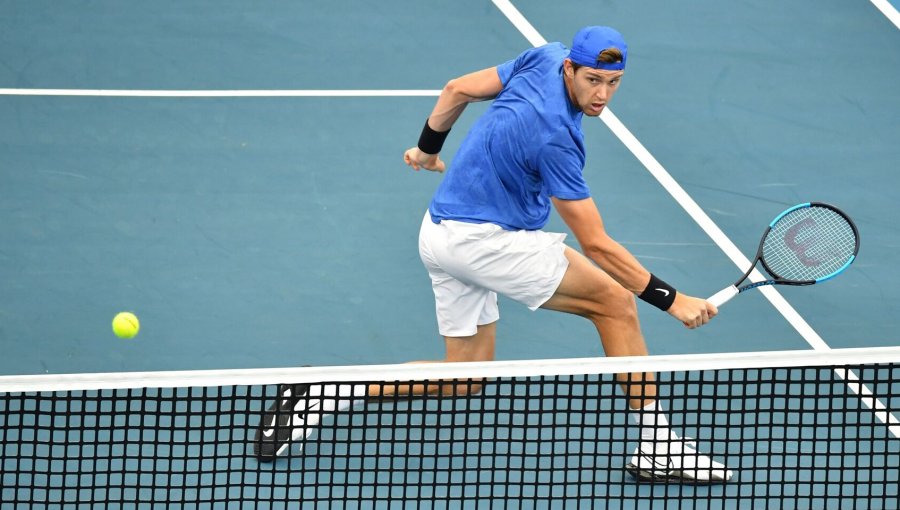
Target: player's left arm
{"points": [[583, 218], [456, 95]]}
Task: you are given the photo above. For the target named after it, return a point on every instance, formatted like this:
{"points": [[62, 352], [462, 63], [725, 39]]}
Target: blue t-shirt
{"points": [[527, 147]]}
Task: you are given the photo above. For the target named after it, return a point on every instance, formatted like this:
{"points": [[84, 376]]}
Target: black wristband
{"points": [[658, 293], [431, 141]]}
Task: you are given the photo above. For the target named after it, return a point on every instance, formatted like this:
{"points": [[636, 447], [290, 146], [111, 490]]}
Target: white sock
{"points": [[338, 397], [653, 422], [322, 400]]}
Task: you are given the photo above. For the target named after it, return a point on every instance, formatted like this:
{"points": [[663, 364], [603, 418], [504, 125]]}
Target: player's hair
{"points": [[607, 56]]}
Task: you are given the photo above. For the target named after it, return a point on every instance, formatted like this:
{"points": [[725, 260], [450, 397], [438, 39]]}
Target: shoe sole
{"points": [[679, 477], [258, 441]]}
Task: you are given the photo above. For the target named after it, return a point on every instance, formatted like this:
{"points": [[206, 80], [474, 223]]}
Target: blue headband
{"points": [[590, 41]]}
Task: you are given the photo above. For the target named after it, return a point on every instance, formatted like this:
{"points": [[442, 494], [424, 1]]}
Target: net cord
{"points": [[462, 370], [475, 370]]}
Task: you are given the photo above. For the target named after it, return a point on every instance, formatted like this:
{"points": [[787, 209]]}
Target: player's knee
{"points": [[615, 302], [629, 305]]}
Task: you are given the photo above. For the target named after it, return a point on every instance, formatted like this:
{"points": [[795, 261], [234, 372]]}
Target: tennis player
{"points": [[482, 236]]}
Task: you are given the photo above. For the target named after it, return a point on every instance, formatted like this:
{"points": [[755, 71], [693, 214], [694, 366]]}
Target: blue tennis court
{"points": [[233, 174]]}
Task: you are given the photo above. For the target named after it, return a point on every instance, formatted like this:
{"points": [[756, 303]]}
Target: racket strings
{"points": [[809, 244]]}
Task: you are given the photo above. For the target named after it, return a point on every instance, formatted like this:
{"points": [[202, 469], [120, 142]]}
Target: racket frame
{"points": [[727, 293]]}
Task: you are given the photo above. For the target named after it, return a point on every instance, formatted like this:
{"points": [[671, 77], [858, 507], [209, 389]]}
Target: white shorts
{"points": [[470, 263]]}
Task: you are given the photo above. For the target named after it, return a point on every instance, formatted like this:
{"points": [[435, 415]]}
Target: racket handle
{"points": [[723, 296]]}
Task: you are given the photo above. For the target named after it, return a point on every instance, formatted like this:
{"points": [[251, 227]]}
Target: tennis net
{"points": [[798, 429]]}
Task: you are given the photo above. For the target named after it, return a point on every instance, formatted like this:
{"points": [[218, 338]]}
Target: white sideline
{"points": [[707, 224]]}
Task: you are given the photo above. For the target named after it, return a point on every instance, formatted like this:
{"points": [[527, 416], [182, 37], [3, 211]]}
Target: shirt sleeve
{"points": [[527, 58], [506, 71], [561, 164]]}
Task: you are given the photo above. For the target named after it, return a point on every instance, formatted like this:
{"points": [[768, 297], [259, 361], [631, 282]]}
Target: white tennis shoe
{"points": [[676, 460], [295, 416], [284, 422]]}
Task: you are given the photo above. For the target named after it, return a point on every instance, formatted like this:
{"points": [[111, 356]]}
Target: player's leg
{"points": [[301, 407], [588, 291], [467, 314], [477, 347], [466, 311], [294, 415]]}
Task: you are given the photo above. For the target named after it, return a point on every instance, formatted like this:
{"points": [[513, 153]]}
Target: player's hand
{"points": [[692, 312], [418, 160]]}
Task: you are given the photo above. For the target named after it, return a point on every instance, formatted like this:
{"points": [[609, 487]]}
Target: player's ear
{"points": [[568, 69]]}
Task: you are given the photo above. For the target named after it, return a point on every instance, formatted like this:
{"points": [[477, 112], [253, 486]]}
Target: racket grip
{"points": [[723, 296]]}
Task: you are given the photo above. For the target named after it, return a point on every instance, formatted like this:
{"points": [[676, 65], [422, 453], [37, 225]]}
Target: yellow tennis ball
{"points": [[125, 325]]}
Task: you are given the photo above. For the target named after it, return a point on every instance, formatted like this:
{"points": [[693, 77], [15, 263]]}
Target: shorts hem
{"points": [[559, 277]]}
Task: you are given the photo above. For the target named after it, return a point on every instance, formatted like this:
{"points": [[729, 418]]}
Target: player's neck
{"points": [[568, 82]]}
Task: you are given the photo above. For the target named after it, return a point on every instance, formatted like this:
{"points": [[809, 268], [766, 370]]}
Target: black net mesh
{"points": [[802, 437]]}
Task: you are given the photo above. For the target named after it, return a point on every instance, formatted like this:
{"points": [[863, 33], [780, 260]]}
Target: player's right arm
{"points": [[583, 218], [456, 95]]}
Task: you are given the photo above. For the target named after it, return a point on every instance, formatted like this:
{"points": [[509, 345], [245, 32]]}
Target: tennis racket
{"points": [[806, 244]]}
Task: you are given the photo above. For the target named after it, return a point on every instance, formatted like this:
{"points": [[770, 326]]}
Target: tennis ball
{"points": [[125, 325]]}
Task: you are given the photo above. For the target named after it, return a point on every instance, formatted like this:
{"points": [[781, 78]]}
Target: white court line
{"points": [[218, 93], [708, 226], [678, 193], [888, 10]]}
